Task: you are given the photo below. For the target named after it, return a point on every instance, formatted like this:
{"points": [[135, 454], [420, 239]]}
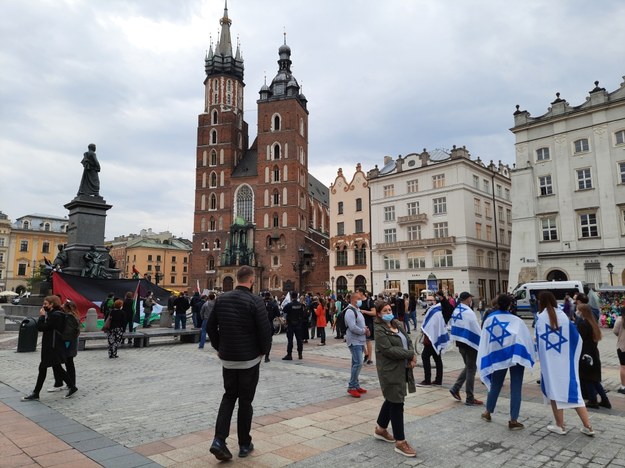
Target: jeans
{"points": [[321, 333], [297, 331], [469, 356], [180, 321], [203, 333], [516, 382], [238, 384], [393, 413], [357, 351], [430, 352], [593, 389]]}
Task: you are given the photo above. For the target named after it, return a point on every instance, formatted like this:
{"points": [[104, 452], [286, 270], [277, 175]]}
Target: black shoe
{"points": [[288, 357], [31, 397], [245, 450], [71, 391], [305, 341], [366, 359], [605, 404], [299, 355], [267, 359], [592, 405], [220, 450]]}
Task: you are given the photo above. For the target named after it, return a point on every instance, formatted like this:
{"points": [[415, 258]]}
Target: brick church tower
{"points": [[256, 205]]}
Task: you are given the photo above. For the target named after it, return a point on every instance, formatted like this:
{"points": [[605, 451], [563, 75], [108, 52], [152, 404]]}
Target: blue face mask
{"points": [[388, 317], [358, 303]]}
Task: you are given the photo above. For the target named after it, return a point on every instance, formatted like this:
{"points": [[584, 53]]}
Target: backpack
{"points": [[71, 328], [340, 320]]}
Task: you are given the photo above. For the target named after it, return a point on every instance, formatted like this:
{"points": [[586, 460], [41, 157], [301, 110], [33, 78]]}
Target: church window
{"points": [[213, 180], [213, 137], [213, 158], [214, 120], [276, 151], [204, 180], [217, 244], [212, 224], [301, 126], [276, 174], [213, 202], [276, 198], [276, 220], [245, 203], [276, 123]]}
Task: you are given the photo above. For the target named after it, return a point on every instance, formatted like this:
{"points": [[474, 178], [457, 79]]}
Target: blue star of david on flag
{"points": [[549, 344], [504, 333], [457, 315]]}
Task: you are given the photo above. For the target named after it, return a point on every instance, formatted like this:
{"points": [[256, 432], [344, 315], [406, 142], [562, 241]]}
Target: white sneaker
{"points": [[58, 389], [587, 431], [556, 429]]}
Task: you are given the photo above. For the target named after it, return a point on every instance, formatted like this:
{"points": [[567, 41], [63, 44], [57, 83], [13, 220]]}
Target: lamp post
{"points": [[610, 268], [298, 267], [332, 284]]}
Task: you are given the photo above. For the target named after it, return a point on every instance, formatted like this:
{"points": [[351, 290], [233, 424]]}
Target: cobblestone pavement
{"points": [[161, 402]]}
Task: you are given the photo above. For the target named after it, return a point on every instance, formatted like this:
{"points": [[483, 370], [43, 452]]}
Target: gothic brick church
{"points": [[256, 204]]}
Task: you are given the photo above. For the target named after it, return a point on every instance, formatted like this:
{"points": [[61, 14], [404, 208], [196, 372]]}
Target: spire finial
{"points": [[284, 33]]}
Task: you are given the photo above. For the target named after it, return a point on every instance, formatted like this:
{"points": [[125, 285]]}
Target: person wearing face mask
{"points": [[240, 332], [395, 358], [51, 322], [465, 330], [435, 340], [355, 337]]}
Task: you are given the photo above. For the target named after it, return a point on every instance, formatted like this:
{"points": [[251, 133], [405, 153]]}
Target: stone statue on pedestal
{"points": [[90, 182], [95, 264]]}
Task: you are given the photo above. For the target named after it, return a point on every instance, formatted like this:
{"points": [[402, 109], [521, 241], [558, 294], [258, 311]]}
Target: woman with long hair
{"points": [[71, 340], [115, 333], [559, 350], [395, 359], [590, 362]]}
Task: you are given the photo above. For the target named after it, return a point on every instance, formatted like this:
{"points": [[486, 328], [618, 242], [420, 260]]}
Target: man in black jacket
{"points": [[296, 325], [240, 332]]}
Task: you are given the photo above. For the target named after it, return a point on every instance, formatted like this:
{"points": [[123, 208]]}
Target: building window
{"points": [[416, 261], [438, 181], [24, 246], [215, 115], [276, 260], [414, 233], [389, 213], [619, 137], [46, 226], [546, 188], [45, 247], [212, 224], [486, 185], [584, 180], [508, 216], [413, 208], [490, 259], [542, 154], [498, 190], [21, 269], [212, 202], [477, 206], [487, 211], [389, 191], [440, 205], [213, 160], [391, 262], [442, 258], [26, 225], [149, 267], [440, 229], [172, 280], [412, 186], [479, 257], [358, 204], [359, 226], [276, 123], [245, 203], [340, 229], [500, 213], [390, 235], [581, 145], [489, 233], [276, 151], [213, 137], [588, 225], [276, 220], [476, 182], [275, 198], [478, 230], [173, 269], [2, 241], [276, 174], [360, 255], [213, 180], [506, 192], [621, 171], [341, 256], [549, 229], [149, 258], [340, 208]]}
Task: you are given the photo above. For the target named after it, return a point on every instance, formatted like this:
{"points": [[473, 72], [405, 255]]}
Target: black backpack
{"points": [[340, 319], [71, 328]]}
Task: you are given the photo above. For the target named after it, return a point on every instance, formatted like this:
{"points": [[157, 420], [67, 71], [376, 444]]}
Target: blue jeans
{"points": [[516, 382], [203, 333], [357, 352], [180, 321]]}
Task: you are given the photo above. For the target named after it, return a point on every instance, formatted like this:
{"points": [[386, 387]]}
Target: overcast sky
{"points": [[382, 77]]}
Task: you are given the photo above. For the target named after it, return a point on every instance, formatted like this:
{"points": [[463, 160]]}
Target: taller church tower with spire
{"points": [[256, 204]]}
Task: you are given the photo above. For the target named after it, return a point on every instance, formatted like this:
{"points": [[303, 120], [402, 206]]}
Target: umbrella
{"points": [[8, 293]]}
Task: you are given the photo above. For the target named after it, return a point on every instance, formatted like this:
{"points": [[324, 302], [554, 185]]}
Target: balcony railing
{"points": [[432, 242], [417, 218]]}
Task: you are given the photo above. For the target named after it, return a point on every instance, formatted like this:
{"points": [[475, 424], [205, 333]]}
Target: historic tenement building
{"points": [[568, 193], [441, 220], [256, 204]]}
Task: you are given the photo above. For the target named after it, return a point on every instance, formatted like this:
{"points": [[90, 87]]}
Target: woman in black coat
{"points": [[51, 322], [116, 330], [590, 362]]}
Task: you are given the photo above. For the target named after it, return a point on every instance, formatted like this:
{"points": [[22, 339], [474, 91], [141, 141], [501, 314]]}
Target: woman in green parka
{"points": [[395, 359]]}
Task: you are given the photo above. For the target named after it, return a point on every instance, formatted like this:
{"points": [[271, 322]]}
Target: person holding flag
{"points": [[435, 342], [505, 343], [465, 331], [559, 349]]}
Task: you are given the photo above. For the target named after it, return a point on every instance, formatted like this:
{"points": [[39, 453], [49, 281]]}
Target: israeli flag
{"points": [[505, 341], [434, 328], [559, 350], [464, 326]]}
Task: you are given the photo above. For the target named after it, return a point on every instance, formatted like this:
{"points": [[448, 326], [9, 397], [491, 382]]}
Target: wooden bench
{"points": [[190, 335], [139, 339]]}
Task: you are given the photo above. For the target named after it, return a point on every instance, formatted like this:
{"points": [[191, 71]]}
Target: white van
{"points": [[523, 292]]}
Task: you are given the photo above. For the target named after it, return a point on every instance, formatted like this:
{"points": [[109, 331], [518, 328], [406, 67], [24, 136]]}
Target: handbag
{"points": [[107, 324]]}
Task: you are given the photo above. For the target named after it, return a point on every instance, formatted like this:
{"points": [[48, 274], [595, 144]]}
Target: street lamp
{"points": [[299, 267], [610, 268]]}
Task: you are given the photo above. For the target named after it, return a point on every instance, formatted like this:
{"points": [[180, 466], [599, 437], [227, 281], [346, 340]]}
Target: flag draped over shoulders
{"points": [[559, 350], [464, 326], [505, 341], [434, 327]]}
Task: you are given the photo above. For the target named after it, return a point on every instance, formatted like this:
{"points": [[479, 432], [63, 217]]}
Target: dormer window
{"points": [[46, 226], [26, 224]]}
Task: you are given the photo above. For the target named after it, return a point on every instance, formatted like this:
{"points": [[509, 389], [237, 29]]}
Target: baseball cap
{"points": [[465, 295]]}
